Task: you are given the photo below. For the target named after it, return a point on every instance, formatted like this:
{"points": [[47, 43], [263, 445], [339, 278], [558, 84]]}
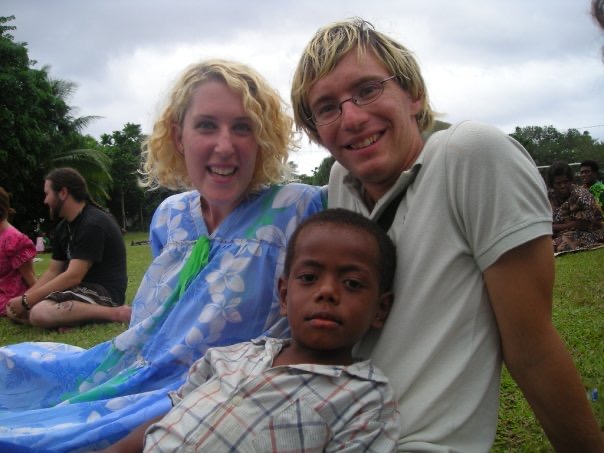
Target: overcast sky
{"points": [[506, 62]]}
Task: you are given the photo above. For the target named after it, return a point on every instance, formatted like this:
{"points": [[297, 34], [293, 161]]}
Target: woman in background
{"points": [[577, 219]]}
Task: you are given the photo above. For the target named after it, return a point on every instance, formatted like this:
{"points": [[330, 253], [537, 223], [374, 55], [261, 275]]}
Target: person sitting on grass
{"points": [[306, 393], [577, 218], [590, 175], [17, 252], [87, 276]]}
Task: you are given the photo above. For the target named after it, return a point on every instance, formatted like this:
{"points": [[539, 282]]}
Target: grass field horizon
{"points": [[578, 314]]}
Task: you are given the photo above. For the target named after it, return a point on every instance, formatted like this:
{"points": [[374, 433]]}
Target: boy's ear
{"points": [[384, 305], [282, 287]]}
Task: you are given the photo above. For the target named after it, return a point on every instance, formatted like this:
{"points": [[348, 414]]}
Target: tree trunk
{"points": [[123, 209]]}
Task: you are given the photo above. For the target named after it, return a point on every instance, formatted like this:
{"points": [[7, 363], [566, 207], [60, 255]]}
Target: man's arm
{"points": [[54, 268], [520, 286], [14, 308], [57, 278]]}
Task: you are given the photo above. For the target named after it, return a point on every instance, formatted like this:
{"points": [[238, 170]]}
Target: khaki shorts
{"points": [[89, 293]]}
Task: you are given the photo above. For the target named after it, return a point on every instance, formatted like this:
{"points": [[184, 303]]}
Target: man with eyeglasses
{"points": [[469, 213]]}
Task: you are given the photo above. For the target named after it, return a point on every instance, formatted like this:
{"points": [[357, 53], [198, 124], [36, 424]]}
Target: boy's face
{"points": [[332, 295]]}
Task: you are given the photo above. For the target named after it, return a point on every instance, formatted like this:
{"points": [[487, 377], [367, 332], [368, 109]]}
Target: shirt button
{"points": [[237, 400]]}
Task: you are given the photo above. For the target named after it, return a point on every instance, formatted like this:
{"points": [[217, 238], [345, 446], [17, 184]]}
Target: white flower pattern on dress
{"points": [[91, 393], [6, 357]]}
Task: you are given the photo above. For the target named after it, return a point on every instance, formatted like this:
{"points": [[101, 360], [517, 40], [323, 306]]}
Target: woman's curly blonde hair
{"points": [[272, 126]]}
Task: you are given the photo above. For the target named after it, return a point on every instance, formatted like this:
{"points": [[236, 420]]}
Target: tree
{"points": [[294, 174], [546, 144], [130, 203], [37, 131], [24, 104], [79, 152], [124, 150], [320, 175]]}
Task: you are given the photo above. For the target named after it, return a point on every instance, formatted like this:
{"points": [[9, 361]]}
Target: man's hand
{"points": [[15, 309]]}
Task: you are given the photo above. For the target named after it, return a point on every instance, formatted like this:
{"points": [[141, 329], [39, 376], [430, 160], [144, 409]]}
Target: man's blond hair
{"points": [[330, 44]]}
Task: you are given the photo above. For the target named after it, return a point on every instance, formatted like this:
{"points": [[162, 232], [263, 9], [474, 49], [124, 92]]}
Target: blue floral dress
{"points": [[57, 397]]}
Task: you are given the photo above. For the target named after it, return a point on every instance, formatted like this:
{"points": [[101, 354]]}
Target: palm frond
{"points": [[63, 89], [93, 164], [83, 121]]}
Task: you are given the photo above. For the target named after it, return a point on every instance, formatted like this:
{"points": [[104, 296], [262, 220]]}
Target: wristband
{"points": [[24, 302]]}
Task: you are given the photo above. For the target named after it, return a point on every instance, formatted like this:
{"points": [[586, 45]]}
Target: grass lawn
{"points": [[139, 257], [578, 315]]}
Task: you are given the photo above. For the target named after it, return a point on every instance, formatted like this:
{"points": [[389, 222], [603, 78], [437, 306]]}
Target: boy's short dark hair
{"points": [[349, 219]]}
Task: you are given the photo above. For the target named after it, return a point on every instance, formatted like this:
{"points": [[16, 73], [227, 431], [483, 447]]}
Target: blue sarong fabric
{"points": [[201, 290]]}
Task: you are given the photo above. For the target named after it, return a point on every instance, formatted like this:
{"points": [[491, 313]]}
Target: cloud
{"points": [[506, 62]]}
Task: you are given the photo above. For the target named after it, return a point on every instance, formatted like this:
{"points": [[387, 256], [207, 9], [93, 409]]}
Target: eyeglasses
{"points": [[328, 111]]}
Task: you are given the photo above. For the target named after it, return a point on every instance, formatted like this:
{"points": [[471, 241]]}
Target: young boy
{"points": [[307, 393]]}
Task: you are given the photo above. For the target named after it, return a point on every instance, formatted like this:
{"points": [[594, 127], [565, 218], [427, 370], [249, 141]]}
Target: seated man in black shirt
{"points": [[86, 279]]}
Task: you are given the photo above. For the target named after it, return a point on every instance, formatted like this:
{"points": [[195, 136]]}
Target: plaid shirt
{"points": [[234, 401]]}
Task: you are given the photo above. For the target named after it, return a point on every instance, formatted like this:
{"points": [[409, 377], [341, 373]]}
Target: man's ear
{"points": [[282, 287], [416, 105], [63, 193], [176, 135], [384, 305]]}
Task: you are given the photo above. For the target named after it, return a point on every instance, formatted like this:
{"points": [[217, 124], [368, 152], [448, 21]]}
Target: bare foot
{"points": [[122, 314]]}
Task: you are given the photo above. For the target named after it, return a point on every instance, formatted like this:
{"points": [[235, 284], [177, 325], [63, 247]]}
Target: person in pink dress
{"points": [[16, 256]]}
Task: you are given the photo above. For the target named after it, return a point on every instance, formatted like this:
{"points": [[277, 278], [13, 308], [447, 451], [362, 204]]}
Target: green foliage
{"points": [[93, 164], [124, 149], [139, 258], [27, 109], [38, 132], [129, 202], [294, 174], [320, 175], [90, 161], [547, 144]]}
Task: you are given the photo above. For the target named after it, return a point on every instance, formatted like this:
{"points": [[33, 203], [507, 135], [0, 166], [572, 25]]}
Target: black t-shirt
{"points": [[95, 236]]}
